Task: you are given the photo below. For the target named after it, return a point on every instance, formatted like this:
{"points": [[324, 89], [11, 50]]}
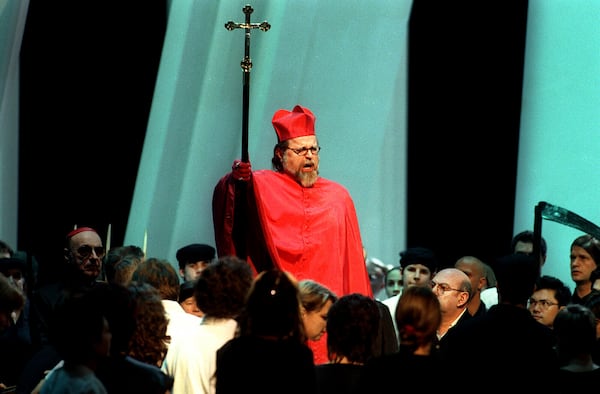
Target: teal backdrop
{"points": [[347, 62], [446, 130]]}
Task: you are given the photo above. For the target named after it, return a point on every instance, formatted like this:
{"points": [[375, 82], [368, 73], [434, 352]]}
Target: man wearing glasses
{"points": [[290, 217], [454, 291], [83, 255], [550, 296]]}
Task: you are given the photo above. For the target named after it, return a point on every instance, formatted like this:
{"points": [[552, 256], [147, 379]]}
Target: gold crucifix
{"points": [[264, 26]]}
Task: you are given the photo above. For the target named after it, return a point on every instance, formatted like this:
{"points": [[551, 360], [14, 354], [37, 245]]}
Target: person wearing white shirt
{"points": [[220, 293]]}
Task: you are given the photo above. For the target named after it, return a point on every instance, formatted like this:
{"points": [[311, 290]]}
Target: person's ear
{"points": [[463, 298], [67, 254], [481, 285]]}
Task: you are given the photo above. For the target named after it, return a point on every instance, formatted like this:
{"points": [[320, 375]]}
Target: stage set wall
{"points": [[446, 127]]}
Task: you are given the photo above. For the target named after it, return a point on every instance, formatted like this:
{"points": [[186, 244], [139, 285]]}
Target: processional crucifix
{"points": [[240, 219], [246, 67]]}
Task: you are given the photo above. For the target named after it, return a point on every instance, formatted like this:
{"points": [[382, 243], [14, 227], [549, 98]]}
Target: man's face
{"points": [[582, 264], [448, 283], [305, 169], [476, 275], [543, 306], [192, 271], [85, 252], [16, 277], [416, 275]]}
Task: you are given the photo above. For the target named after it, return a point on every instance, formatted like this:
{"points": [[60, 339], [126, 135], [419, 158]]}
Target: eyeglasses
{"points": [[544, 304], [304, 151], [443, 287], [85, 251]]}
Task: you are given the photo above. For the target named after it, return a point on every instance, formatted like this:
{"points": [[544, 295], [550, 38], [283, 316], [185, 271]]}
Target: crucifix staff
{"points": [[246, 65]]}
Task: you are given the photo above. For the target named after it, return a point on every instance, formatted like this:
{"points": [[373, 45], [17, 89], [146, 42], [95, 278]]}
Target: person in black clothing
{"points": [[585, 255], [269, 355], [352, 328], [418, 316], [121, 373], [83, 254], [518, 348]]}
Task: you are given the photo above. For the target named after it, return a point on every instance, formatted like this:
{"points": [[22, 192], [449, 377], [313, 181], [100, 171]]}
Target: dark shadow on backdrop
{"points": [[465, 80], [87, 78]]}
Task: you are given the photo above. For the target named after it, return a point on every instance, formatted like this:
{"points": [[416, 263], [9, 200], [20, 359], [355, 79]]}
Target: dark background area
{"points": [[87, 78], [465, 80]]}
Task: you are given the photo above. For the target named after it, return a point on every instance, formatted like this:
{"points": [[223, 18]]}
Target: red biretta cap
{"points": [[80, 230], [296, 123]]}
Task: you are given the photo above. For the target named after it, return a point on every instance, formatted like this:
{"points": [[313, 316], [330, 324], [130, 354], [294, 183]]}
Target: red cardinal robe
{"points": [[312, 233]]}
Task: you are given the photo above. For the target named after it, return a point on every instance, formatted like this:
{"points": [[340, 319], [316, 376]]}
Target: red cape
{"points": [[312, 233]]}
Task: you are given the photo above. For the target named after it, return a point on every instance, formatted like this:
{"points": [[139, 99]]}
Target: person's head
{"points": [[453, 289], [352, 327], [149, 341], [160, 274], [5, 250], [193, 258], [393, 281], [377, 271], [222, 288], [523, 243], [126, 251], [516, 275], [575, 328], [550, 296], [475, 270], [137, 320], [297, 150], [11, 300], [15, 270], [594, 306], [80, 331], [584, 256], [122, 272], [316, 300], [272, 308], [83, 253], [119, 307], [418, 317], [187, 299], [115, 255], [490, 277], [418, 266]]}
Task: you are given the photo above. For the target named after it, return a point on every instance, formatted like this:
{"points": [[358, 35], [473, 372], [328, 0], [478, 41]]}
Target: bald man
{"points": [[475, 270]]}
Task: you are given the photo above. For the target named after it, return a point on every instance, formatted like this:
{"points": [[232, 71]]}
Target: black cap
{"points": [[419, 255], [193, 253], [12, 263]]}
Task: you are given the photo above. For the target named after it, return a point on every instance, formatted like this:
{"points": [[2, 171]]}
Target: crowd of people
{"points": [[126, 331], [289, 301]]}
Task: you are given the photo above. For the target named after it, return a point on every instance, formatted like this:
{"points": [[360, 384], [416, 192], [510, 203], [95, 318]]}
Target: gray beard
{"points": [[307, 179]]}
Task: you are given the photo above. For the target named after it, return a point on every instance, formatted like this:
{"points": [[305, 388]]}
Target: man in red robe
{"points": [[289, 217]]}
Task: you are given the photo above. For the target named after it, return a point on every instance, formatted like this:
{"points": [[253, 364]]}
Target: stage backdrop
{"points": [[13, 14], [345, 61], [559, 159]]}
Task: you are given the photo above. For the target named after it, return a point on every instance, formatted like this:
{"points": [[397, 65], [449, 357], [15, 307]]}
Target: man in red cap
{"points": [[291, 218], [83, 253]]}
